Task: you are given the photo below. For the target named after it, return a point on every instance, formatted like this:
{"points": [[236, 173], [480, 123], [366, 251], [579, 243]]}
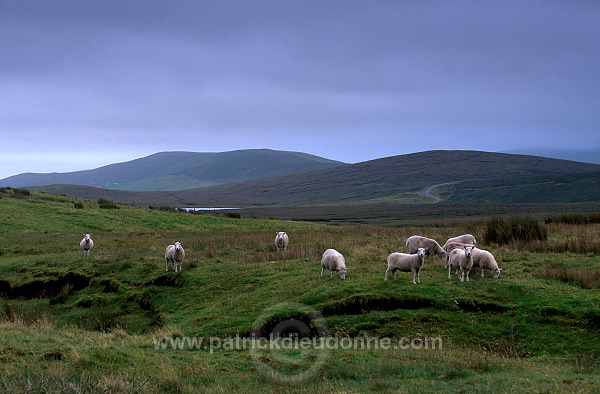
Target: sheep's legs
{"points": [[322, 269], [416, 278], [387, 272]]}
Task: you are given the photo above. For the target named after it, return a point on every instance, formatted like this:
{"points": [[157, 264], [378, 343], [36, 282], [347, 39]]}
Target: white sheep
{"points": [[465, 239], [431, 246], [485, 260], [461, 259], [333, 261], [406, 263], [86, 244], [281, 240], [449, 246], [175, 254]]}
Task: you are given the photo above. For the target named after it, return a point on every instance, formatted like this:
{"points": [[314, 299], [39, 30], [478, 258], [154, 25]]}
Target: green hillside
{"points": [[181, 170], [75, 323], [474, 177]]}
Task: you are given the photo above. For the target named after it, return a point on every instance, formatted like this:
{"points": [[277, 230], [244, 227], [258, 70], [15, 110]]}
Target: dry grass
{"points": [[586, 278]]}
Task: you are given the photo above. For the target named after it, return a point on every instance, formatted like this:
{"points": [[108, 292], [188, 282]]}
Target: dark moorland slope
{"points": [[469, 177]]}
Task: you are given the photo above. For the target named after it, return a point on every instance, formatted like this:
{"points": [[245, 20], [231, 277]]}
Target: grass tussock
{"points": [[575, 218], [518, 229], [107, 204], [585, 277]]}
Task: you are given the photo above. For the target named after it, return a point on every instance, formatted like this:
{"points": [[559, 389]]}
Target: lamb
{"points": [[406, 263], [485, 260], [461, 259], [86, 244], [333, 261], [175, 254], [465, 239], [281, 240], [430, 245]]}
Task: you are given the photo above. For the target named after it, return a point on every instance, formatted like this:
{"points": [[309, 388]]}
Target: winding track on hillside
{"points": [[428, 192]]}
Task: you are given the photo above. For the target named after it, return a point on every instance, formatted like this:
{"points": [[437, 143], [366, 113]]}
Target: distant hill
{"points": [[471, 176], [582, 155], [181, 170]]}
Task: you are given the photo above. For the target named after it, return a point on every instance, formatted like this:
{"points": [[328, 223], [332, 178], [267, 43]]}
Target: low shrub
{"points": [[107, 204], [21, 192], [502, 232], [576, 218]]}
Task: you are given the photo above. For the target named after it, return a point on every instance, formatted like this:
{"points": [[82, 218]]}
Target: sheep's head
{"points": [[86, 237], [468, 251], [343, 273], [177, 245], [496, 273], [421, 252], [280, 235]]}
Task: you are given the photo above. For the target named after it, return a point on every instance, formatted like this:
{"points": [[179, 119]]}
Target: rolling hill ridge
{"points": [[181, 170], [471, 177]]}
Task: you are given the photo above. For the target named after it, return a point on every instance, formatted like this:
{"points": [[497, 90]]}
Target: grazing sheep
{"points": [[175, 254], [406, 263], [485, 260], [430, 245], [86, 244], [465, 239], [461, 260], [281, 240], [333, 261]]}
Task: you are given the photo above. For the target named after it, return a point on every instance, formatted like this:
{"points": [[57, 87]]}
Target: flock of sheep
{"points": [[459, 253]]}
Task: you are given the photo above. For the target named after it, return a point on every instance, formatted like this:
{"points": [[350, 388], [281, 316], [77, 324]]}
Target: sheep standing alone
{"points": [[485, 260], [86, 244], [430, 245], [175, 254], [333, 261], [449, 246], [462, 261], [281, 241], [406, 263]]}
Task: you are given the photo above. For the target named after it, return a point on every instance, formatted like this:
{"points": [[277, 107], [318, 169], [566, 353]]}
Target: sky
{"points": [[89, 83]]}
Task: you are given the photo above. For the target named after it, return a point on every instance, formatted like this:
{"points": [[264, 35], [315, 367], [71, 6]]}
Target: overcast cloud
{"points": [[89, 83]]}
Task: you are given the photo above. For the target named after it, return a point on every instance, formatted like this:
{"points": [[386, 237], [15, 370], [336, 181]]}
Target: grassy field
{"points": [[115, 321]]}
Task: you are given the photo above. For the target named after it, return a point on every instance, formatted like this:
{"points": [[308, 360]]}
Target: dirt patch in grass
{"points": [[47, 287]]}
